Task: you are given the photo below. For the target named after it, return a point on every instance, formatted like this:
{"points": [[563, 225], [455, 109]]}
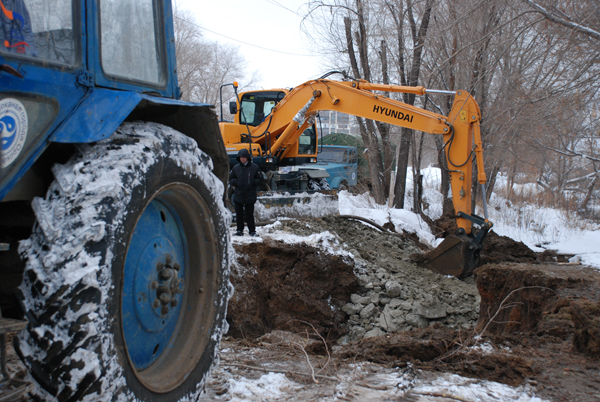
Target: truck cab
{"points": [[341, 162]]}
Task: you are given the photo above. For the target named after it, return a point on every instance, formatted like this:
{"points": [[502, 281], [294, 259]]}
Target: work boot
{"points": [[238, 233], [253, 234]]}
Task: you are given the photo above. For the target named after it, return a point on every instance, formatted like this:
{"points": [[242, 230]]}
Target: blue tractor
{"points": [[114, 235]]}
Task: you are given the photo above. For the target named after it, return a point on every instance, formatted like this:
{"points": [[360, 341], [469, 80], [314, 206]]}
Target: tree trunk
{"points": [[588, 195], [413, 79], [402, 168], [492, 182], [367, 127]]}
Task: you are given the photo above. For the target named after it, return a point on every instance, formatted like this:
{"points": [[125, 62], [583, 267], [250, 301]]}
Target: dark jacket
{"points": [[246, 179]]}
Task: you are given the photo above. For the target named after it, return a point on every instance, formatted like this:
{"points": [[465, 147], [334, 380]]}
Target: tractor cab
{"points": [[60, 55]]}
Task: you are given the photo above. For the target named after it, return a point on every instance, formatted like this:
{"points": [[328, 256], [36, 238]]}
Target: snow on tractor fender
{"points": [[127, 271]]}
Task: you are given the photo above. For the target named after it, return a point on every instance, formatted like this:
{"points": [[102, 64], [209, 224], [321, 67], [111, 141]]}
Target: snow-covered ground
{"points": [[539, 228]]}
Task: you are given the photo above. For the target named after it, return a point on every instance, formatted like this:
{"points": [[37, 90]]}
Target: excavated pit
{"points": [[374, 290], [524, 317], [283, 287]]}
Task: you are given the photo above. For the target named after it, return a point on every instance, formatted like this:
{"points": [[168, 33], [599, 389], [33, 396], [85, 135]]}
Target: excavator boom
{"points": [[458, 255]]}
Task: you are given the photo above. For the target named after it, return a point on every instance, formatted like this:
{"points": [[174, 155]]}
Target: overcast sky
{"points": [[257, 25]]}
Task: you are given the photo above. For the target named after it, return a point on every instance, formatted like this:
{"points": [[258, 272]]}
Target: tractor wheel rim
{"points": [[165, 303]]}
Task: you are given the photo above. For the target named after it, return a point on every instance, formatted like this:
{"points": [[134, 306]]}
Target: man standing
{"points": [[245, 177]]}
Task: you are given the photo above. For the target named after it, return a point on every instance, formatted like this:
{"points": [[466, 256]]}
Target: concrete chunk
{"points": [[393, 289], [432, 312]]}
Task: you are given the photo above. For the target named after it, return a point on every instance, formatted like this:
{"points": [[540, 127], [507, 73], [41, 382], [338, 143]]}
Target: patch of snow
{"points": [[461, 388], [269, 387]]}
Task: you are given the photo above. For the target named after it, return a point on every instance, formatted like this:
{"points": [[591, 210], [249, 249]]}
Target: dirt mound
{"points": [[551, 314], [379, 289], [441, 349], [277, 284], [520, 298], [415, 345], [498, 248], [586, 320]]}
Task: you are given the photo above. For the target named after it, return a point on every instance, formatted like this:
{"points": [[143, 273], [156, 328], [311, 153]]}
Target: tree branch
{"points": [[572, 25]]}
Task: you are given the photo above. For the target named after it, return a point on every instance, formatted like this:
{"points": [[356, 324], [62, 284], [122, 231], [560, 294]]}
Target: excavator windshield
{"points": [[257, 106]]}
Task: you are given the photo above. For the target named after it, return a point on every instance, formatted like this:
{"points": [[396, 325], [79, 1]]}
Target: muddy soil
{"points": [[280, 286], [522, 320]]}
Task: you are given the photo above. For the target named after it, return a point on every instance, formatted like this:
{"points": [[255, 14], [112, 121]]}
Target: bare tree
{"points": [[532, 66], [203, 66], [367, 31]]}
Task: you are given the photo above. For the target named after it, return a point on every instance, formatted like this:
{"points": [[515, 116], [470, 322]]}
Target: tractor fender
{"points": [[102, 111]]}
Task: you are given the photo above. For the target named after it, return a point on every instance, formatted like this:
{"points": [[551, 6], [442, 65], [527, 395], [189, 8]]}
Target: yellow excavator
{"points": [[274, 133], [294, 184]]}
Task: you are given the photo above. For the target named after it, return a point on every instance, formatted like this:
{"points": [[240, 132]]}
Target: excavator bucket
{"points": [[296, 204], [458, 255]]}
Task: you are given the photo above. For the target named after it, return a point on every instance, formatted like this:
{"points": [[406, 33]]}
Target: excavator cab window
{"points": [[257, 106], [307, 143]]}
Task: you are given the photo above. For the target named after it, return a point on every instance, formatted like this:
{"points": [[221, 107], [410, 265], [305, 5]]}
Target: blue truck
{"points": [[113, 230], [341, 162]]}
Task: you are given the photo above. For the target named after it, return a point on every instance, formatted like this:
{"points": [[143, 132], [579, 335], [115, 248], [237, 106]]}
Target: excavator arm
{"points": [[457, 255]]}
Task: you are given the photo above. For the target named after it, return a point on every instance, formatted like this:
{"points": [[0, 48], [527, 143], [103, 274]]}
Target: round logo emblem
{"points": [[13, 130], [353, 175]]}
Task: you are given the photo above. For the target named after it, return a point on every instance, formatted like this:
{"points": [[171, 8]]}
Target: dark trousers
{"points": [[244, 211]]}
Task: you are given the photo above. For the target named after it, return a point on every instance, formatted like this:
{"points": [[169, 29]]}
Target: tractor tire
{"points": [[127, 272]]}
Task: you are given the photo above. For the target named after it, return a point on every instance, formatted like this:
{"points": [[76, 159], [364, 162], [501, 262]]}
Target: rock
{"points": [[386, 321], [417, 321], [354, 298], [384, 300], [363, 280], [368, 311], [344, 340], [352, 309], [394, 303], [359, 332], [374, 298], [364, 300], [374, 332], [393, 289], [433, 312]]}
